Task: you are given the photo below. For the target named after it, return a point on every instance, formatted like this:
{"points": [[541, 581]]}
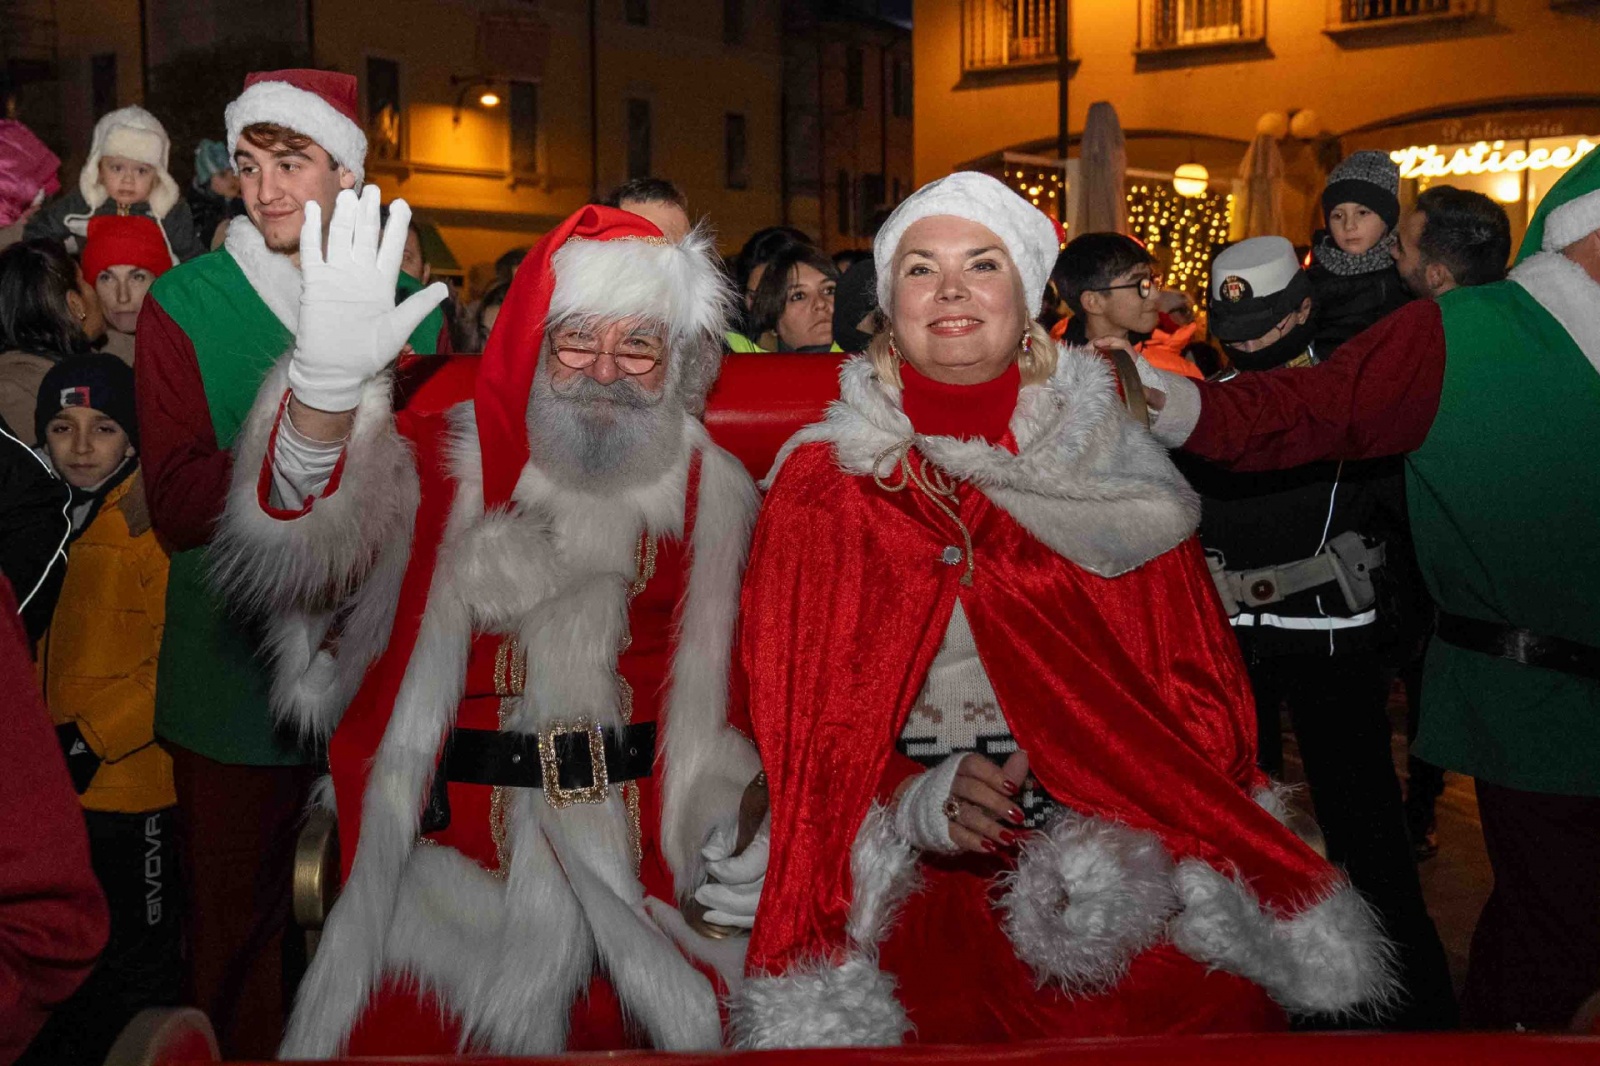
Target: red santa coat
{"points": [[1099, 628], [506, 936]]}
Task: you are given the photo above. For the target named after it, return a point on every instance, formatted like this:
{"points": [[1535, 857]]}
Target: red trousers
{"points": [[399, 1021], [239, 826]]}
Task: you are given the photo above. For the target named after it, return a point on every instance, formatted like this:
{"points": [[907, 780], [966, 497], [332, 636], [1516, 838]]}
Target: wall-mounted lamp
{"points": [[468, 84]]}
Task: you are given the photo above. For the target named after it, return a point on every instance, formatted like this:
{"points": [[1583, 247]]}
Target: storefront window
{"points": [[1515, 173]]}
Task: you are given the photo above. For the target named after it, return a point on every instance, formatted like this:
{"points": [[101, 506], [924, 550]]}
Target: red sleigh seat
{"points": [[756, 405]]}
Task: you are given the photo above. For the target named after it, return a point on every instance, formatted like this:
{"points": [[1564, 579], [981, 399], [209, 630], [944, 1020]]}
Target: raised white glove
{"points": [[919, 817], [350, 328], [734, 893]]}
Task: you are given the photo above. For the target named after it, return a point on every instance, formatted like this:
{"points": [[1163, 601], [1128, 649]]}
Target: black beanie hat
{"points": [[1368, 178], [102, 382], [854, 298]]}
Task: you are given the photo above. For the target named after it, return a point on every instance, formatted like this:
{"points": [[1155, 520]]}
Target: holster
{"points": [[1346, 561]]}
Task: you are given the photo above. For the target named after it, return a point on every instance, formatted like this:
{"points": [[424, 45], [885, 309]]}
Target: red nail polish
{"points": [[1007, 837], [988, 847], [1015, 815], [1011, 788]]}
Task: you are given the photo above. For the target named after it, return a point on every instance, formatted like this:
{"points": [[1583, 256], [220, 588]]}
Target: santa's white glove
{"points": [[920, 816], [350, 328], [734, 893]]}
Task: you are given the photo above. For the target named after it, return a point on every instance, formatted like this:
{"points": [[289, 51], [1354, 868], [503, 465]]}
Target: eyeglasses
{"points": [[1146, 286], [634, 355]]}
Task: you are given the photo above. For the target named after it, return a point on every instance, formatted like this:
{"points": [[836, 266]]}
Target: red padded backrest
{"points": [[756, 405], [761, 400]]}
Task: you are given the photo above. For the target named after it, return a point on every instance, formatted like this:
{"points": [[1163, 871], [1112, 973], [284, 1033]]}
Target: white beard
{"points": [[602, 437]]}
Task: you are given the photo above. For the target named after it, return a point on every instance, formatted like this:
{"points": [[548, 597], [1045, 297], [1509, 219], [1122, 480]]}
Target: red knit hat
{"points": [[318, 103], [124, 240]]}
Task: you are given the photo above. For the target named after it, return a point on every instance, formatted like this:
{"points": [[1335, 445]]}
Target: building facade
{"points": [[848, 104], [1194, 80], [493, 118]]}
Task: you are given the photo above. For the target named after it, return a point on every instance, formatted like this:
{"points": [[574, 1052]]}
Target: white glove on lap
{"points": [[350, 328], [734, 893], [919, 817]]}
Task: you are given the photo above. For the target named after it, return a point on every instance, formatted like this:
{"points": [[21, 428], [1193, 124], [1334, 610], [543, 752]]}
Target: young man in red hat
{"points": [[527, 708], [208, 333]]}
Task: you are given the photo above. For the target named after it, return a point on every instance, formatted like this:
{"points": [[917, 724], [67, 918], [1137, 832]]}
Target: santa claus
{"points": [[511, 621]]}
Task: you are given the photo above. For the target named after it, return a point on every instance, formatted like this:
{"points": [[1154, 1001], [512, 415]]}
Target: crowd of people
{"points": [[964, 726]]}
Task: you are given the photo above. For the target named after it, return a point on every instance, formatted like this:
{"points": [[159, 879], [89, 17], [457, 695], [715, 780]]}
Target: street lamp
{"points": [[466, 84]]}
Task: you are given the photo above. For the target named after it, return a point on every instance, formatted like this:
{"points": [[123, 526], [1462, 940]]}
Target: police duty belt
{"points": [[1347, 562]]}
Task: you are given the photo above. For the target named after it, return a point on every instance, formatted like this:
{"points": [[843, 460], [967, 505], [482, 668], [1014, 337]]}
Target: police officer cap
{"points": [[1254, 284]]}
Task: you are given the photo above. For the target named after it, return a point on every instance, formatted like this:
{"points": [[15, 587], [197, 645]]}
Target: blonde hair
{"points": [[1037, 364]]}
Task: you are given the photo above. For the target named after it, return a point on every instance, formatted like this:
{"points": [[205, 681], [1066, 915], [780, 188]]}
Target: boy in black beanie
{"points": [[1353, 275], [97, 665]]}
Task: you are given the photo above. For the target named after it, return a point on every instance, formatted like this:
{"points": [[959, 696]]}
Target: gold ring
{"points": [[952, 809]]}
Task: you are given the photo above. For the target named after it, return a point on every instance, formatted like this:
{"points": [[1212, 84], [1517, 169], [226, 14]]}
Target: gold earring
{"points": [[1027, 342], [893, 351]]}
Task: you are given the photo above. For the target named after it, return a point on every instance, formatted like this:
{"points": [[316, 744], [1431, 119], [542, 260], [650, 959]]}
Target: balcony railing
{"points": [[1356, 13], [1165, 24], [1005, 33]]}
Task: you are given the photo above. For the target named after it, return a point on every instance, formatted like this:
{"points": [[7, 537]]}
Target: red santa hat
{"points": [[124, 240], [318, 103], [609, 264]]}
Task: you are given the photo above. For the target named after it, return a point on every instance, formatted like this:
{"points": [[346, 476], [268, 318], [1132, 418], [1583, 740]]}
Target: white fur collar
{"points": [[1572, 297], [1093, 486], [272, 274]]}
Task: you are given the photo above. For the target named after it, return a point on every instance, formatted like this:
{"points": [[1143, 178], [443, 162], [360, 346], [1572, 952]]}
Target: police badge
{"points": [[1234, 289]]}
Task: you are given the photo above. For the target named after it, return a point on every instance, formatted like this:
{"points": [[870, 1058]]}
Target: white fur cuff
{"points": [[919, 817], [851, 1004], [1087, 896], [1176, 420], [1330, 958]]}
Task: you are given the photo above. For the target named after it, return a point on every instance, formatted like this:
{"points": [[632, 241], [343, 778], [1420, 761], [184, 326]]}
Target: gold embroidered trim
{"points": [[510, 668], [499, 795], [644, 568], [662, 241]]}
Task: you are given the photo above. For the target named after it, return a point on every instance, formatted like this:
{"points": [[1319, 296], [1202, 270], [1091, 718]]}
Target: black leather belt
{"points": [[583, 759], [1520, 646]]}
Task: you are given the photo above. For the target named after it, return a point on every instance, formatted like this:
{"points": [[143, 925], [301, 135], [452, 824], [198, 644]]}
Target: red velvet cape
{"points": [[1128, 693]]}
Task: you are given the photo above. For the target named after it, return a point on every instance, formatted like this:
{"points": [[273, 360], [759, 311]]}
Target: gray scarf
{"points": [[1336, 260]]}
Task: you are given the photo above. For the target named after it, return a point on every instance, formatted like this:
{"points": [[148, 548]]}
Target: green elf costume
{"points": [[209, 332], [1493, 393]]}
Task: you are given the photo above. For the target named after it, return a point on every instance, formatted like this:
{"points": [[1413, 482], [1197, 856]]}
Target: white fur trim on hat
{"points": [[676, 283], [134, 133], [304, 112], [1029, 236], [1572, 221]]}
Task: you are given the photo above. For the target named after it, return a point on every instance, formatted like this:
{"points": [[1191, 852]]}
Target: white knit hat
{"points": [[1030, 237], [132, 133]]}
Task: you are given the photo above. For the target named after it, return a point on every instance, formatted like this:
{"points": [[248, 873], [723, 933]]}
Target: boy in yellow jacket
{"points": [[97, 666]]}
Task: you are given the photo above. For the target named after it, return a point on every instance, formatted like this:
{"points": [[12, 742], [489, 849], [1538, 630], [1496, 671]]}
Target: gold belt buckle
{"points": [[561, 798]]}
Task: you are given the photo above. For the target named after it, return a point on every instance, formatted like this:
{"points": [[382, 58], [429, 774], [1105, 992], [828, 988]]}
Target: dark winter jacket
{"points": [[1347, 304], [34, 530], [67, 220]]}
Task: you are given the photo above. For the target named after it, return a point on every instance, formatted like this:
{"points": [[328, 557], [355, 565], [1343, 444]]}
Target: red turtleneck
{"points": [[940, 410]]}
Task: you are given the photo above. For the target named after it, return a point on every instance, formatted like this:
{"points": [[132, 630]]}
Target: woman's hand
{"points": [[966, 803]]}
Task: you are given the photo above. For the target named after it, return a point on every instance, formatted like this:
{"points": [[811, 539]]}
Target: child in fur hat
{"points": [[126, 174], [1354, 280]]}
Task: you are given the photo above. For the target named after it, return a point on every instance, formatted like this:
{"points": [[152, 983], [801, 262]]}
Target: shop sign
{"points": [[1486, 158]]}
